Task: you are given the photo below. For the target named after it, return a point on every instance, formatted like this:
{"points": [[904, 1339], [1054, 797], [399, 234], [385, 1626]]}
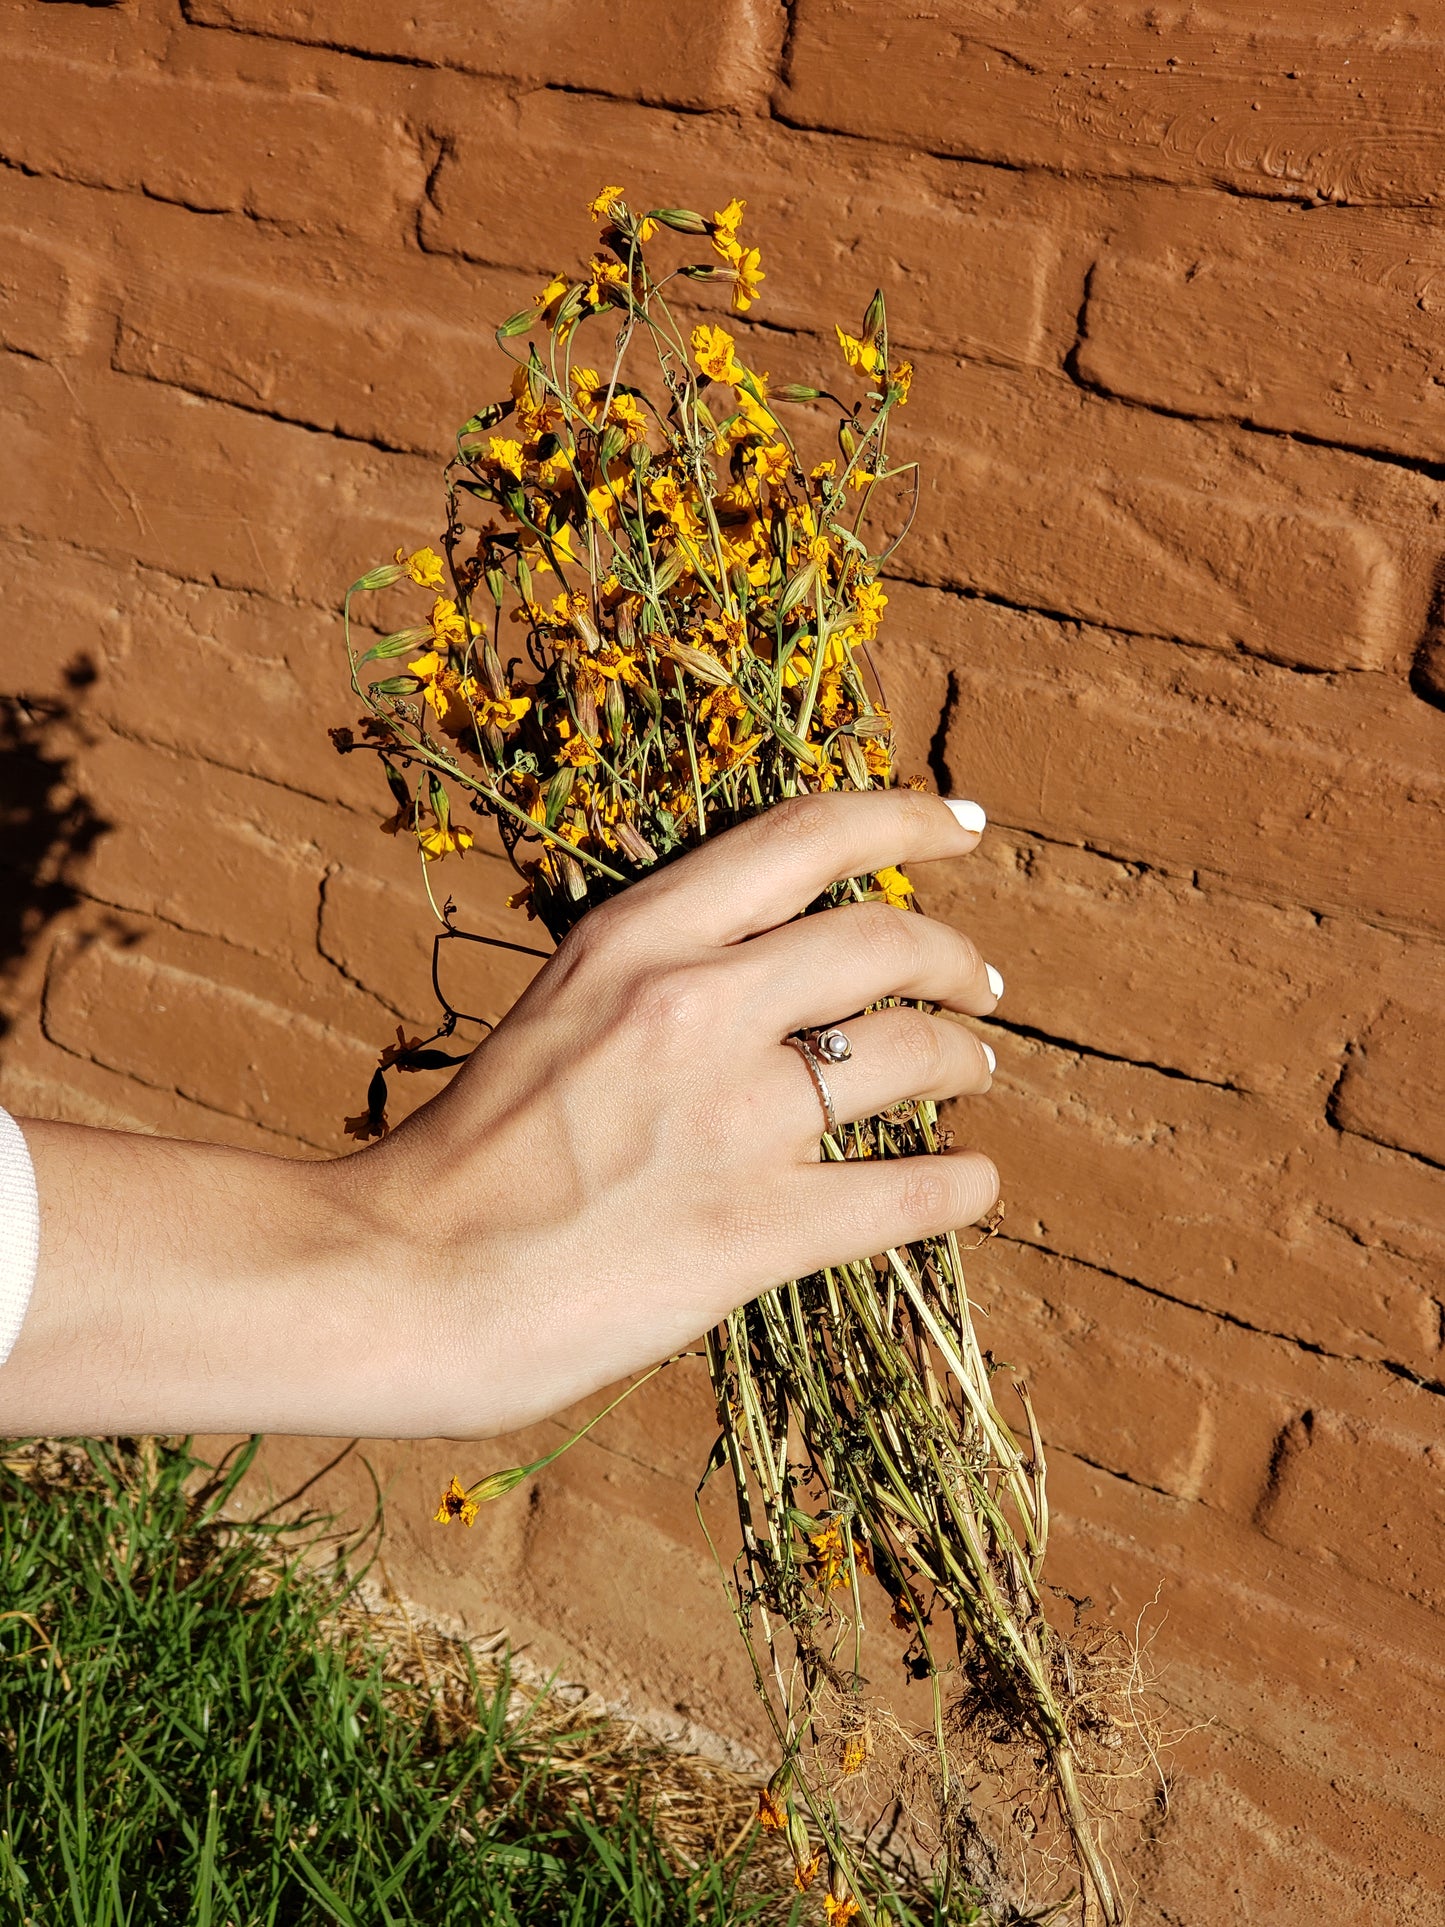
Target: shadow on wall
{"points": [[47, 826]]}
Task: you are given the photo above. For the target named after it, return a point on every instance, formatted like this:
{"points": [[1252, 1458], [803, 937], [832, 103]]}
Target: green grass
{"points": [[181, 1742]]}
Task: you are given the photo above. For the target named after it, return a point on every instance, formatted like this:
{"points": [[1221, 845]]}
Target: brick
{"points": [[1142, 1411], [1215, 1199], [40, 1080], [1168, 1395], [1274, 342], [1307, 107], [46, 290], [1370, 1502], [1283, 1652], [1298, 790], [1393, 1085], [1140, 964], [379, 934], [650, 52], [366, 368], [263, 680], [206, 849], [252, 504], [284, 154], [977, 273], [1042, 495], [1333, 1852], [189, 1015]]}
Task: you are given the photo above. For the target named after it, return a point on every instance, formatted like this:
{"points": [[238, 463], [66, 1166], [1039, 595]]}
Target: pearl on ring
{"points": [[833, 1045]]}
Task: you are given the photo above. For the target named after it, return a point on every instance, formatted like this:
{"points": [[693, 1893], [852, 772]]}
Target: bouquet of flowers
{"points": [[689, 598]]}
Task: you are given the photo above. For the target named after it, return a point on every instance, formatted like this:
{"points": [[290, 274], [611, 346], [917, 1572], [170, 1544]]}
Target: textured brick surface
{"points": [[1305, 102], [1275, 343], [1393, 1085], [654, 51], [1172, 279]]}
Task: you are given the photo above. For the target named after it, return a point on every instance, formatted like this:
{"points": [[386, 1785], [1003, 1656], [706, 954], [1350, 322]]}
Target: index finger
{"points": [[766, 871]]}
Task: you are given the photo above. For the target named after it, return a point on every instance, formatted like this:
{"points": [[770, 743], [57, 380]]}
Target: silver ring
{"points": [[806, 1049]]}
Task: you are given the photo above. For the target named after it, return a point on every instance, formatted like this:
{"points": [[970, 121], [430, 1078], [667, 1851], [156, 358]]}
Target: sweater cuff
{"points": [[19, 1231]]}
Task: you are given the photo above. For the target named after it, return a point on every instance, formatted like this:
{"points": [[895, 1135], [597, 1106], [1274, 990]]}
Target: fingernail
{"points": [[995, 982], [970, 815], [992, 1060]]}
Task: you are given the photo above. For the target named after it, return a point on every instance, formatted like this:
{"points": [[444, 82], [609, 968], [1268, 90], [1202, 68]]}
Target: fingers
{"points": [[765, 871], [897, 1054], [841, 1212], [817, 968]]}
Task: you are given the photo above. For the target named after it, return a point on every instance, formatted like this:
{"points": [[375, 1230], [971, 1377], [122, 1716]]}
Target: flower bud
{"points": [[380, 578], [681, 219]]}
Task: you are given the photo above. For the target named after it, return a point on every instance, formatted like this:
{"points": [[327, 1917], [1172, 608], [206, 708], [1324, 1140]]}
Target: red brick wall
{"points": [[1174, 283]]}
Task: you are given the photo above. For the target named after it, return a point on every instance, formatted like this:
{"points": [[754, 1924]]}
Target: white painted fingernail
{"points": [[970, 815], [995, 982], [992, 1060]]}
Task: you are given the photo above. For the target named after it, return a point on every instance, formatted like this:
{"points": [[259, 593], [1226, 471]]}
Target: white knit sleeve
{"points": [[19, 1231]]}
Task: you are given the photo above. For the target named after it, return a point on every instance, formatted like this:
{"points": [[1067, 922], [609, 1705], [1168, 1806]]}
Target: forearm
{"points": [[188, 1287]]}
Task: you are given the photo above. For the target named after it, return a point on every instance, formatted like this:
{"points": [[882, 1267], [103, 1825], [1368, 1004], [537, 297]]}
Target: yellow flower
{"points": [[587, 387], [534, 415], [772, 463], [577, 751], [855, 1752], [447, 622], [505, 454], [605, 274], [666, 495], [614, 664], [501, 712], [823, 471], [450, 699], [602, 505], [771, 1816], [626, 414], [437, 842], [895, 887], [725, 223], [830, 1556], [424, 566], [861, 356], [839, 1912], [455, 1505], [806, 1872], [550, 297], [748, 278], [426, 668], [902, 379], [730, 631], [831, 698], [714, 352], [601, 208], [878, 757], [868, 605]]}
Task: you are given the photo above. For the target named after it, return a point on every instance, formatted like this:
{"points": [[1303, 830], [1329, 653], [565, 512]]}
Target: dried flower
{"points": [[456, 1504], [695, 589]]}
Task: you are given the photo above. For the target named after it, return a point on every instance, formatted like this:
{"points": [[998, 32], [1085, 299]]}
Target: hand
{"points": [[631, 1153], [635, 1149]]}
